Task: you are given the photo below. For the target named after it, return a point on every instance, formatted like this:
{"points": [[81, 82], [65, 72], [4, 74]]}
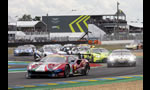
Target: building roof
{"points": [[135, 24], [27, 23]]}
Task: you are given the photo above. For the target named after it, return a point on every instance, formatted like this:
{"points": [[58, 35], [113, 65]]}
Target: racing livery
{"points": [[135, 45], [97, 55], [58, 65], [24, 50], [121, 57], [46, 50]]}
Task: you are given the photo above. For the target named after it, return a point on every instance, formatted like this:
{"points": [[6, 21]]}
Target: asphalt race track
{"points": [[100, 72]]}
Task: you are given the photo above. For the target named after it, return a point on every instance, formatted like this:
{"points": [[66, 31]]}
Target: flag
{"points": [[120, 13]]}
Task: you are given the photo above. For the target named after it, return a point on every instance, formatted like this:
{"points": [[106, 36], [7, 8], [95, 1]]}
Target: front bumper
{"points": [[123, 63], [23, 54], [47, 73]]}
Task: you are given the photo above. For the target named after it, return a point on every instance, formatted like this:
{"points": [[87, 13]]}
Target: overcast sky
{"points": [[132, 8]]}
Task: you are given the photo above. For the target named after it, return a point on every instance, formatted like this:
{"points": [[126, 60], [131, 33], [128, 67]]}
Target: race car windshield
{"points": [[103, 50], [96, 51], [121, 53], [22, 47], [84, 47], [54, 59], [49, 50]]}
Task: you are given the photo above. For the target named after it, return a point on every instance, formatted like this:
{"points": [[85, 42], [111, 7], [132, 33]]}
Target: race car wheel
{"points": [[28, 75], [104, 60], [45, 55], [67, 71], [86, 70], [137, 47], [109, 65], [133, 65], [92, 59]]}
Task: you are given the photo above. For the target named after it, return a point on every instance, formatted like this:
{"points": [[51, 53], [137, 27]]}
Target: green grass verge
{"points": [[51, 87]]}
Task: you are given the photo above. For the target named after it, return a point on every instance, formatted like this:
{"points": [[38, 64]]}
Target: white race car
{"points": [[24, 50], [121, 57], [132, 46]]}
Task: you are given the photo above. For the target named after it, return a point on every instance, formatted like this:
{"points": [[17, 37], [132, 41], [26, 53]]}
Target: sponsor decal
{"points": [[55, 20], [56, 27]]}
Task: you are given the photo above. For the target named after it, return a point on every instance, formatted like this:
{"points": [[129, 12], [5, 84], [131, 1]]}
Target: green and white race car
{"points": [[97, 55]]}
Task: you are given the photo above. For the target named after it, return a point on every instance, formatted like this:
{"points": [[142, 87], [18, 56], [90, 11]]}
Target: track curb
{"points": [[82, 81]]}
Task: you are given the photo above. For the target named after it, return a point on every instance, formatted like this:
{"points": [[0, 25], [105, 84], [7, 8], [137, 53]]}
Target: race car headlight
{"points": [[111, 59], [29, 67], [97, 56], [132, 59], [29, 50], [16, 51]]}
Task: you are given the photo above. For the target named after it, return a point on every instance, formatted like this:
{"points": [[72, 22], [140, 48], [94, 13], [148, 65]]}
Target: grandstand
{"points": [[73, 27]]}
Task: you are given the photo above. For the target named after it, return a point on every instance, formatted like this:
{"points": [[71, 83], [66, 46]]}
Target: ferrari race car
{"points": [[58, 65], [97, 55], [121, 57], [24, 50]]}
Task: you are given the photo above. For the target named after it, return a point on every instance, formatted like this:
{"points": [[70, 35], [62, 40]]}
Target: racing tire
{"points": [[133, 65], [86, 70], [45, 55], [67, 71], [137, 47], [92, 59], [28, 75], [34, 56], [104, 60], [109, 65]]}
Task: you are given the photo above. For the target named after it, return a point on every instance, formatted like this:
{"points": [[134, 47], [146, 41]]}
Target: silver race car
{"points": [[24, 50], [121, 57], [45, 51]]}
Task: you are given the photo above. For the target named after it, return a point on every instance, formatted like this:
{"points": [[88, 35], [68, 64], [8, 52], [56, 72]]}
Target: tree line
{"points": [[26, 17]]}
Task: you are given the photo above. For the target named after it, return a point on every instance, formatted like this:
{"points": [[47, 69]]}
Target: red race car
{"points": [[58, 65]]}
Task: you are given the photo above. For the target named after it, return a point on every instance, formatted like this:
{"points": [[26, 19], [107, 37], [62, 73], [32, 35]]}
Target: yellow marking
{"points": [[138, 75], [29, 86], [109, 78], [85, 21], [87, 80], [125, 77], [70, 82], [92, 80], [9, 66], [79, 24], [9, 88], [51, 83], [70, 25]]}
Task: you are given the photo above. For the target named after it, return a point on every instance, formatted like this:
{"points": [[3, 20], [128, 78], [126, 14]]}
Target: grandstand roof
{"points": [[82, 12], [27, 23], [136, 24]]}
